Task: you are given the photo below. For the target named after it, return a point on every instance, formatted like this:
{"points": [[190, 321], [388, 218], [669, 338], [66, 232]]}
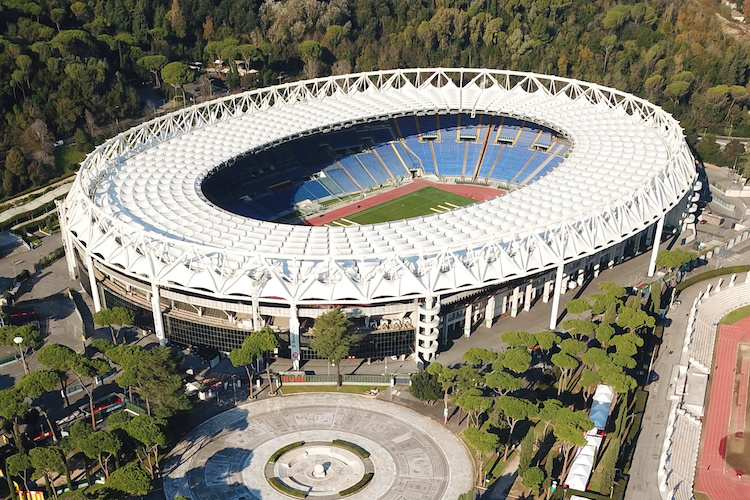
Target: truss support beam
{"points": [[556, 296], [294, 335], [92, 283], [655, 248], [156, 311]]}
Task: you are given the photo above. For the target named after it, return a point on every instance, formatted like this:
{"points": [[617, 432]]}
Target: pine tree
{"points": [[526, 452]]}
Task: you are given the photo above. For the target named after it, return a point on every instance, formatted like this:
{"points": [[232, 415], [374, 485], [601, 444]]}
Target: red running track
{"points": [[742, 396], [714, 477], [478, 193]]}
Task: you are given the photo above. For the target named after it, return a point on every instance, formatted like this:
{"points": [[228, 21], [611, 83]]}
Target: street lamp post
{"points": [[234, 386], [18, 341]]}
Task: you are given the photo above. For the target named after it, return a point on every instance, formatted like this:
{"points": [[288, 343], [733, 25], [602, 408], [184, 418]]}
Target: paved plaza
{"points": [[413, 457]]}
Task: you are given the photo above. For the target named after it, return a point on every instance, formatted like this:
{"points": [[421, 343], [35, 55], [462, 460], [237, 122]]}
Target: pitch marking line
{"points": [[350, 223], [451, 205]]}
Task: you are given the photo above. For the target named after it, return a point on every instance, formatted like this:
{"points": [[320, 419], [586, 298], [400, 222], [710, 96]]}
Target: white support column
{"points": [[156, 311], [655, 248], [489, 312], [257, 321], [294, 335], [547, 291], [504, 308], [514, 302], [92, 283], [468, 321], [67, 240], [556, 296], [528, 298]]}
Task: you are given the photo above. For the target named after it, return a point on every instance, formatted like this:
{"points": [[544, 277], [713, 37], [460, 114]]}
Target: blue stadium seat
{"points": [[422, 150], [407, 126], [472, 158], [317, 190], [469, 127], [392, 160], [545, 139], [554, 161], [428, 128], [490, 155], [360, 176], [338, 175], [448, 123], [330, 185], [510, 162], [449, 157], [373, 167], [508, 130], [527, 137]]}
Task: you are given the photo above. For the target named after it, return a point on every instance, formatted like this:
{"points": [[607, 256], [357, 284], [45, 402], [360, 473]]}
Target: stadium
{"points": [[420, 201]]}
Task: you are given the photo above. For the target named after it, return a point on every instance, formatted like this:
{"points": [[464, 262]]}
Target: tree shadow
{"points": [[216, 478], [6, 381]]}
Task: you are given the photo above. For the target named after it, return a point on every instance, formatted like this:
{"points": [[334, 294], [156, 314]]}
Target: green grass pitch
{"points": [[421, 202]]}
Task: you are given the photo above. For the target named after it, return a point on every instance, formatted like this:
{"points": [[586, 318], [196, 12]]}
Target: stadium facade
{"points": [[200, 220]]}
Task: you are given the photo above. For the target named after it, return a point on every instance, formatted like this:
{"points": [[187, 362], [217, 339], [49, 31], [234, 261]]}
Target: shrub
{"points": [[357, 450], [711, 274], [284, 449], [283, 488], [360, 484], [49, 259]]}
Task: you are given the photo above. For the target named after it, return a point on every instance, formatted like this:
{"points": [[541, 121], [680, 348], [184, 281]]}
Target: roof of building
{"points": [[629, 164]]}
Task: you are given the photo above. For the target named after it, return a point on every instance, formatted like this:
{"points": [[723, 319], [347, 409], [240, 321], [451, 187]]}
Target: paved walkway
{"points": [[413, 456], [9, 213]]}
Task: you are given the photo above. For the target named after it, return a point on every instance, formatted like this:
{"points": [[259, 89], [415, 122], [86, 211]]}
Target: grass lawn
{"points": [[347, 389], [67, 159], [736, 315], [410, 205]]}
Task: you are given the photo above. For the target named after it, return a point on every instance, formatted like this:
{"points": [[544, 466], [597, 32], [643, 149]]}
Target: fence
{"points": [[299, 378]]}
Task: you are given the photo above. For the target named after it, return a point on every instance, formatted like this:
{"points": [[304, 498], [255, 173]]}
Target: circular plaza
{"points": [[320, 446]]}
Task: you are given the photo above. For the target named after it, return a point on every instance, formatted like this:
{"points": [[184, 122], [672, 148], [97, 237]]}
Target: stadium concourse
{"points": [[198, 220]]}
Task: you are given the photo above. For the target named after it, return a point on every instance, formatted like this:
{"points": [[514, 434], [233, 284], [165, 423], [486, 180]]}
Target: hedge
{"points": [[47, 261], [711, 274], [357, 450], [286, 489], [360, 484], [284, 449]]}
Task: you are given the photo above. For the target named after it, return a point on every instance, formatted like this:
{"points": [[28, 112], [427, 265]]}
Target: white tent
{"points": [[600, 407], [583, 464]]}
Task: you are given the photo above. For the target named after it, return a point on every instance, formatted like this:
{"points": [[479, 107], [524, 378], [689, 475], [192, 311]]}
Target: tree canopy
{"points": [[76, 68], [116, 316], [331, 338], [674, 258]]}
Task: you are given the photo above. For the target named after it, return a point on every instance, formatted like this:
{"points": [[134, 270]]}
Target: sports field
{"points": [[425, 201]]}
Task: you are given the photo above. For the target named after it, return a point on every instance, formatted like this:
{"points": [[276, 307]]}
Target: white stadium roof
{"points": [[137, 202]]}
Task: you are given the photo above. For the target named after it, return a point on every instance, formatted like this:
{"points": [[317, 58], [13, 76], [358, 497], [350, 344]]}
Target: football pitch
{"points": [[428, 200]]}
